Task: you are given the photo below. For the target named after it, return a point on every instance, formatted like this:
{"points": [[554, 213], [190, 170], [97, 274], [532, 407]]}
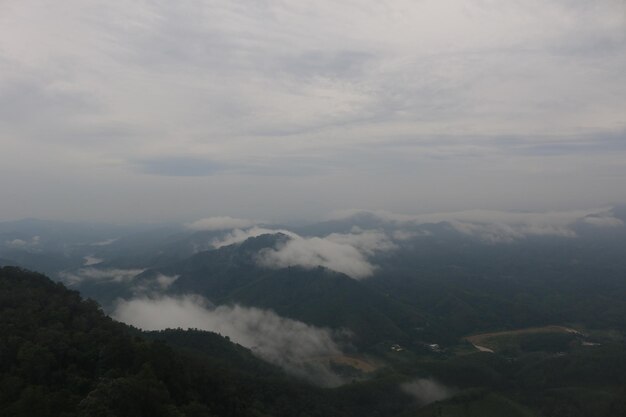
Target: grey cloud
{"points": [[184, 166], [367, 242], [180, 166], [325, 63], [290, 344], [263, 92], [220, 223], [585, 144]]}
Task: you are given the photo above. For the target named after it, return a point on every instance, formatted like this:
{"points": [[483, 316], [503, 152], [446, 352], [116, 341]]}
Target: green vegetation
{"points": [[475, 403], [62, 357]]}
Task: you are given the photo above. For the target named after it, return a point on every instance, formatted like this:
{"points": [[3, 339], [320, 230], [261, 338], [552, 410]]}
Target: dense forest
{"points": [[61, 355]]}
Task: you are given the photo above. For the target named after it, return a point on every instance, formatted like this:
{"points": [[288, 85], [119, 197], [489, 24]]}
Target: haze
{"points": [[175, 111]]}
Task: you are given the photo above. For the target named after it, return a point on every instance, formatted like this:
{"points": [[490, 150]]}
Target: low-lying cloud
{"points": [[498, 226], [427, 390], [23, 244], [365, 241], [346, 253], [241, 235], [91, 260], [290, 344], [105, 242], [153, 285], [99, 275]]}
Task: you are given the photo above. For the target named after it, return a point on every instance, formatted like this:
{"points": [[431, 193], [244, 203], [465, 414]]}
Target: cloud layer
{"points": [[290, 344], [91, 274], [278, 109], [220, 223], [494, 225]]}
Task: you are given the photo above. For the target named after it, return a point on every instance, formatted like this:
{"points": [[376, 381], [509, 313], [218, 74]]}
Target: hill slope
{"points": [[61, 356]]}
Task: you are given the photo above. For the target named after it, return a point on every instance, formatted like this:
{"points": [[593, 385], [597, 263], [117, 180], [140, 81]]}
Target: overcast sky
{"points": [[175, 110]]}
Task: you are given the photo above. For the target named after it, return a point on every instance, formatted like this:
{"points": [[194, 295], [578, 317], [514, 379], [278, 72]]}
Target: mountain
{"points": [[465, 285], [61, 356], [316, 296]]}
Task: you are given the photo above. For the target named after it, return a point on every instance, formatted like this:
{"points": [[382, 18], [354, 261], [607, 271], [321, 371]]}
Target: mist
{"points": [[345, 253], [290, 344], [93, 274], [427, 390]]}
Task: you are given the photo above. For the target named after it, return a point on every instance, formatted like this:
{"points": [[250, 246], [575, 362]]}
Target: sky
{"points": [[177, 110]]}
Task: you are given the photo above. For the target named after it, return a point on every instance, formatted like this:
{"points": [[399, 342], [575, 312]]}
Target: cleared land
{"points": [[489, 342]]}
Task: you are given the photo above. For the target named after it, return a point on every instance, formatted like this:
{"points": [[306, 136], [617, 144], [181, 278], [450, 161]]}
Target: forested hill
{"points": [[60, 356]]}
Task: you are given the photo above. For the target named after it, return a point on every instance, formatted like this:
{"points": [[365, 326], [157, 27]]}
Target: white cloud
{"points": [[99, 275], [290, 344], [497, 226], [165, 281], [92, 260], [603, 220], [220, 223], [314, 252], [148, 286], [345, 253], [23, 244], [106, 242], [239, 235], [427, 390]]}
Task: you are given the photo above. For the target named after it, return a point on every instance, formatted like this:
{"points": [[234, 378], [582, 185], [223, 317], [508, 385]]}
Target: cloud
{"points": [[401, 235], [314, 252], [494, 225], [99, 275], [178, 166], [106, 242], [466, 101], [92, 260], [345, 253], [153, 284], [600, 220], [240, 235], [287, 343], [427, 391], [220, 223], [23, 244], [365, 241]]}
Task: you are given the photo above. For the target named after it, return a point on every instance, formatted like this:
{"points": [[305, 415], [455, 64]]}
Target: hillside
{"points": [[316, 296], [63, 357]]}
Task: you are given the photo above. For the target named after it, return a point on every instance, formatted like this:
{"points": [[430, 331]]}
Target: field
{"points": [[498, 341]]}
